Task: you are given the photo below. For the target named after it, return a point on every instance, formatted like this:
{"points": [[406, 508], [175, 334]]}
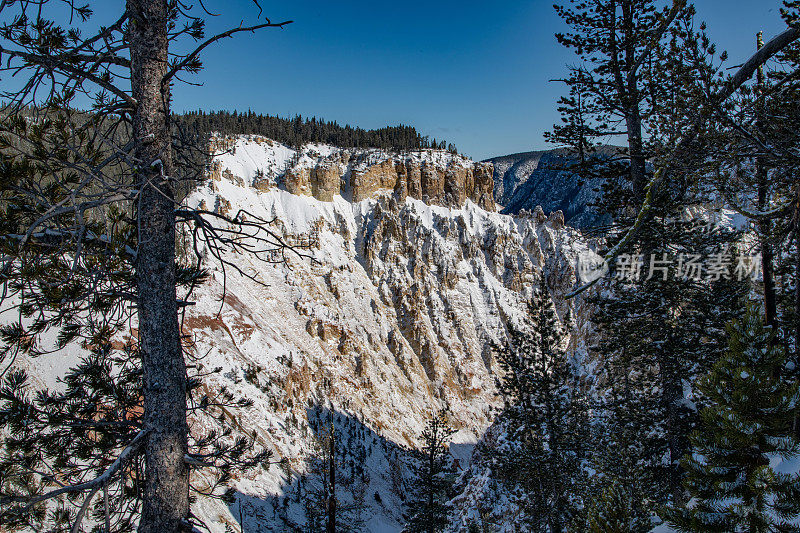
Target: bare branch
{"points": [[130, 451], [763, 55], [52, 64], [194, 54]]}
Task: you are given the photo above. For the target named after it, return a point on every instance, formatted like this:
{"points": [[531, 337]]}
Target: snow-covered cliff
{"points": [[390, 322], [410, 278]]}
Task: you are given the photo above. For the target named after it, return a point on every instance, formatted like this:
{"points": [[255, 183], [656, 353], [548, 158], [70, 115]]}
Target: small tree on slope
{"points": [[434, 479], [746, 428], [545, 414]]}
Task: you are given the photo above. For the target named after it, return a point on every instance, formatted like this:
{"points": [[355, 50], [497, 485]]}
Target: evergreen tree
{"points": [[745, 428], [659, 329], [616, 42], [760, 184], [546, 419], [618, 496], [335, 500], [656, 337], [434, 478], [88, 218], [614, 510], [301, 130]]}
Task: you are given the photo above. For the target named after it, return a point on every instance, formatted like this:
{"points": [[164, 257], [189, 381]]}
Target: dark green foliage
{"points": [[68, 250], [646, 69], [335, 501], [618, 496], [546, 416], [614, 509], [434, 477], [298, 131], [615, 88], [656, 337], [70, 436], [746, 426]]}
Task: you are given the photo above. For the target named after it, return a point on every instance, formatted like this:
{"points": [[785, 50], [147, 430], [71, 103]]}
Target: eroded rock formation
{"points": [[434, 176]]}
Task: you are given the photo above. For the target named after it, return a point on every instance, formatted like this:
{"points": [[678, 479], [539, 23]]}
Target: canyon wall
{"points": [[436, 177]]}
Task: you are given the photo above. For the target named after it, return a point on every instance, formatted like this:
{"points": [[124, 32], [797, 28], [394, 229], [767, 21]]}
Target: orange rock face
{"points": [[433, 176], [449, 185]]}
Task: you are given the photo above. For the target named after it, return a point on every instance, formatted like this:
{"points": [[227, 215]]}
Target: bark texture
{"points": [[631, 97], [764, 226], [166, 493]]}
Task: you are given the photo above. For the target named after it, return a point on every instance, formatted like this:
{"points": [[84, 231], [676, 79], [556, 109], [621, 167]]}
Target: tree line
{"points": [[298, 130], [682, 409]]}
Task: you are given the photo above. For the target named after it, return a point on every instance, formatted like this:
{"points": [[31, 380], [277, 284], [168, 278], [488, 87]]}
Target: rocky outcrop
{"points": [[326, 181], [384, 175], [322, 181], [389, 316], [393, 319], [483, 193], [449, 185], [435, 176], [298, 181]]}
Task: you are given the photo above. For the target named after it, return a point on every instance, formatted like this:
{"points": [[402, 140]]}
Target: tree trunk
{"points": [[331, 526], [764, 226], [677, 441], [431, 473], [633, 115], [633, 121], [796, 230], [166, 487]]}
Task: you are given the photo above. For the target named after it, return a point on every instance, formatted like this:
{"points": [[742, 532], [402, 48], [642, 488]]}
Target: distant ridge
{"points": [[542, 178]]}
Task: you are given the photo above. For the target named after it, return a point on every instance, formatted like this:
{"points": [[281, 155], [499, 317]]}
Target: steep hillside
{"points": [[525, 180], [410, 275], [391, 321]]}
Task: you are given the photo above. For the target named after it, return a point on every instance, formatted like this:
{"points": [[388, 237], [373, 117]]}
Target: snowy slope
{"points": [[525, 180], [390, 323]]}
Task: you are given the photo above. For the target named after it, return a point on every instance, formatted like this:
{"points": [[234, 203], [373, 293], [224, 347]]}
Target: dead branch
{"points": [[192, 56]]}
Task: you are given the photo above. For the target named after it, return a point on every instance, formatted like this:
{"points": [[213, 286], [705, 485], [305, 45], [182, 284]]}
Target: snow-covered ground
{"points": [[387, 321], [390, 322]]}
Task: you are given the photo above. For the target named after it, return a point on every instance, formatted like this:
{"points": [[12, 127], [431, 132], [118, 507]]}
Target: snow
{"points": [[45, 371], [249, 155], [393, 278], [663, 528], [389, 324]]}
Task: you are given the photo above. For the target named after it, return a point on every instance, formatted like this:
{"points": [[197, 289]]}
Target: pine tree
{"points": [[618, 496], [335, 500], [546, 416], [614, 510], [76, 270], [745, 428], [301, 130], [616, 43], [657, 336], [434, 478]]}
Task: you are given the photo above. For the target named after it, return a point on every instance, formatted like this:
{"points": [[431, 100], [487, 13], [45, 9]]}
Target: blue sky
{"points": [[473, 73]]}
